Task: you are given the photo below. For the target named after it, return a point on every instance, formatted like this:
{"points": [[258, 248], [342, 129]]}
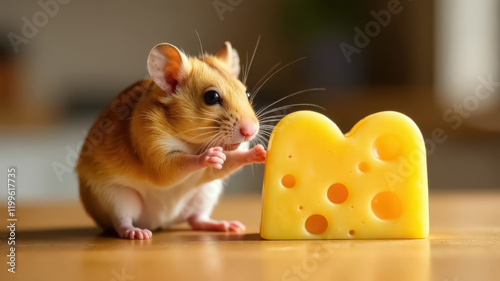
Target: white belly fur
{"points": [[162, 207]]}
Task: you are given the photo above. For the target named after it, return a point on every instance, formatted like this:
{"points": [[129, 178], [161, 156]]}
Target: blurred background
{"points": [[61, 62]]}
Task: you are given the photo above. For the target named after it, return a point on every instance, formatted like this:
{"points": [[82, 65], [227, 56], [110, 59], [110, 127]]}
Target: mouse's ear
{"points": [[168, 67], [230, 57]]}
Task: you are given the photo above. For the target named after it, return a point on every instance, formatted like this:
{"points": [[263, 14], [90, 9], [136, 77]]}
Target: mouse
{"points": [[160, 152]]}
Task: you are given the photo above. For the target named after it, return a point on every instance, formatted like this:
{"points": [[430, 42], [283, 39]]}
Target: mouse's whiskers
{"points": [[247, 70], [265, 76], [285, 107], [261, 140], [196, 117], [201, 135], [256, 91], [208, 143], [211, 114], [268, 117], [244, 66], [272, 118], [260, 112], [195, 129], [201, 46]]}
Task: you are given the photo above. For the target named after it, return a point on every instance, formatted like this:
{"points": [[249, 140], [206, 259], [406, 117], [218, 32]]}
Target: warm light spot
{"points": [[387, 147], [316, 224], [288, 181], [386, 205], [337, 193], [363, 167], [352, 232], [289, 156]]}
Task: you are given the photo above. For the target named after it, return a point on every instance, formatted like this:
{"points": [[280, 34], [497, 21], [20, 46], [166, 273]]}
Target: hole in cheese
{"points": [[337, 193], [386, 205], [387, 147], [288, 181], [363, 167], [316, 224], [352, 232]]}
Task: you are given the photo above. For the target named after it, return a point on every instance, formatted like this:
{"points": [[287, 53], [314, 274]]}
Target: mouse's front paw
{"points": [[213, 157], [258, 154]]}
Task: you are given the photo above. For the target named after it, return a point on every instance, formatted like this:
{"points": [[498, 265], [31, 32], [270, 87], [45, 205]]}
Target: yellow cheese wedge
{"points": [[369, 183]]}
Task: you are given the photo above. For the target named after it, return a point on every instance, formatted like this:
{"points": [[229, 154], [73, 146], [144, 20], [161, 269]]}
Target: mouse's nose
{"points": [[248, 129]]}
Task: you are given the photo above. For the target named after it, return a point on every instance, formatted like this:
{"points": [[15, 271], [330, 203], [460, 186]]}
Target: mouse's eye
{"points": [[249, 94], [212, 97]]}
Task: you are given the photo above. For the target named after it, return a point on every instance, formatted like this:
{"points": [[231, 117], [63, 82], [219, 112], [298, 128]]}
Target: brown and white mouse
{"points": [[158, 154]]}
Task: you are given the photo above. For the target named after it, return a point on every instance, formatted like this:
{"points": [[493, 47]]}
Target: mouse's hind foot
{"points": [[197, 223], [126, 230]]}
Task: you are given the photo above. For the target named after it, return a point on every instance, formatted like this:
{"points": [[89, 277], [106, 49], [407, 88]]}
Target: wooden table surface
{"points": [[59, 242]]}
